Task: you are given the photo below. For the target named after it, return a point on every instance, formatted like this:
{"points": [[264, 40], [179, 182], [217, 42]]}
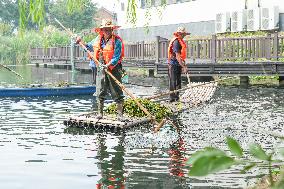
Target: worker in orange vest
{"points": [[109, 51], [176, 61]]}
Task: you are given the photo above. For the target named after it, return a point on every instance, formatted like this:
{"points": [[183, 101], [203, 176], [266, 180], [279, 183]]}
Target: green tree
{"points": [[9, 12], [75, 20], [5, 29]]}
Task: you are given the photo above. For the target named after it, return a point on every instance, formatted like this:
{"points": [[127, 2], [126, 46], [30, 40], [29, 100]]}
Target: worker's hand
{"points": [[78, 40], [101, 67]]}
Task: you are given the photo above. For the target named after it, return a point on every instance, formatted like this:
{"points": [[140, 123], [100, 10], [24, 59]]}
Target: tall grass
{"points": [[15, 49]]}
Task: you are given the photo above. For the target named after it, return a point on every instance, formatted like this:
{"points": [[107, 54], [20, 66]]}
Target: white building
{"points": [[199, 17]]}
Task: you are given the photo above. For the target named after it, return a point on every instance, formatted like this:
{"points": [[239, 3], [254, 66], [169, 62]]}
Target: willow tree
{"points": [[35, 11]]}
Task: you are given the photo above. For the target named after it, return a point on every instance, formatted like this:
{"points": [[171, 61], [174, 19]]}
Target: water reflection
{"points": [[110, 153], [111, 163], [177, 158], [39, 75], [37, 148]]}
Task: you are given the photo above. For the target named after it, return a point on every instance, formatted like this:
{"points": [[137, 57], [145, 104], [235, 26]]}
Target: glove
{"points": [[105, 66], [102, 66], [78, 40]]}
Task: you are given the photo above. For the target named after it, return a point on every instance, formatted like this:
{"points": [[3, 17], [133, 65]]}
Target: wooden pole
{"points": [[9, 69]]}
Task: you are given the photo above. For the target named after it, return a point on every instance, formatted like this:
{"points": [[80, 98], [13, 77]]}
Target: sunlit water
{"points": [[38, 151]]}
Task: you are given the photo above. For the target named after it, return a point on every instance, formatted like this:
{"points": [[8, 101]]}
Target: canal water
{"points": [[38, 151]]}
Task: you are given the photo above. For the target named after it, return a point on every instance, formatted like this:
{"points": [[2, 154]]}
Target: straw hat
{"points": [[182, 30], [106, 23]]}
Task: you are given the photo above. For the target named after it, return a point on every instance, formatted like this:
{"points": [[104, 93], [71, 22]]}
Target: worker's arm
{"points": [[117, 52]]}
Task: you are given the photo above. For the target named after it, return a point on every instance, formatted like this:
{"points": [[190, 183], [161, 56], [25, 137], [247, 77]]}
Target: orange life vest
{"points": [[108, 50], [183, 48]]}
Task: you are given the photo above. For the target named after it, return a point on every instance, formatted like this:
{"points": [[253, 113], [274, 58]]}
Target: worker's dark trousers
{"points": [[174, 80], [108, 84], [94, 74]]}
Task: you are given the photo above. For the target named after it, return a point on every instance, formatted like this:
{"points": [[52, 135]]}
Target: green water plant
{"points": [[211, 160], [132, 109]]}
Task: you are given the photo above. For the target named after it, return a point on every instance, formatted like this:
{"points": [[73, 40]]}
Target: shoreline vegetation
{"points": [[15, 48], [268, 81]]}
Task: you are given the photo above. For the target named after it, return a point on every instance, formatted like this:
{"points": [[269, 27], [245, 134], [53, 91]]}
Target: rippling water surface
{"points": [[38, 151]]}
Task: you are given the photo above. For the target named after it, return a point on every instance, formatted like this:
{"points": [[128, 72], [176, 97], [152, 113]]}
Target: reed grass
{"points": [[15, 49]]}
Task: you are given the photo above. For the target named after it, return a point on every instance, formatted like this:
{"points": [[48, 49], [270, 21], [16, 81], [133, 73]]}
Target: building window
{"points": [[153, 3], [122, 6]]}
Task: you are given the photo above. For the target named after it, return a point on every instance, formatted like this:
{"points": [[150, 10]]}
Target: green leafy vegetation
{"points": [[262, 77], [5, 29], [32, 10], [243, 34], [17, 49], [261, 80], [74, 5], [9, 13], [132, 109], [131, 11], [26, 24], [211, 160], [76, 15]]}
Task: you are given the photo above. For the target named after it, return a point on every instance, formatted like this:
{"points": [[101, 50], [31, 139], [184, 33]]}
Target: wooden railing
{"points": [[57, 53], [216, 49], [213, 50]]}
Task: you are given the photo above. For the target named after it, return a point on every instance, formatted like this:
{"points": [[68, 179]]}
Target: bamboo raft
{"points": [[195, 95], [108, 122]]}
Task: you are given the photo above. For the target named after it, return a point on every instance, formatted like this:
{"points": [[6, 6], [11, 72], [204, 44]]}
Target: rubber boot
{"points": [[100, 110], [120, 111]]}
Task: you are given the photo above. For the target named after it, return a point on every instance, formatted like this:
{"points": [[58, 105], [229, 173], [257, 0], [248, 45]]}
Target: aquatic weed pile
{"points": [[132, 109]]}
